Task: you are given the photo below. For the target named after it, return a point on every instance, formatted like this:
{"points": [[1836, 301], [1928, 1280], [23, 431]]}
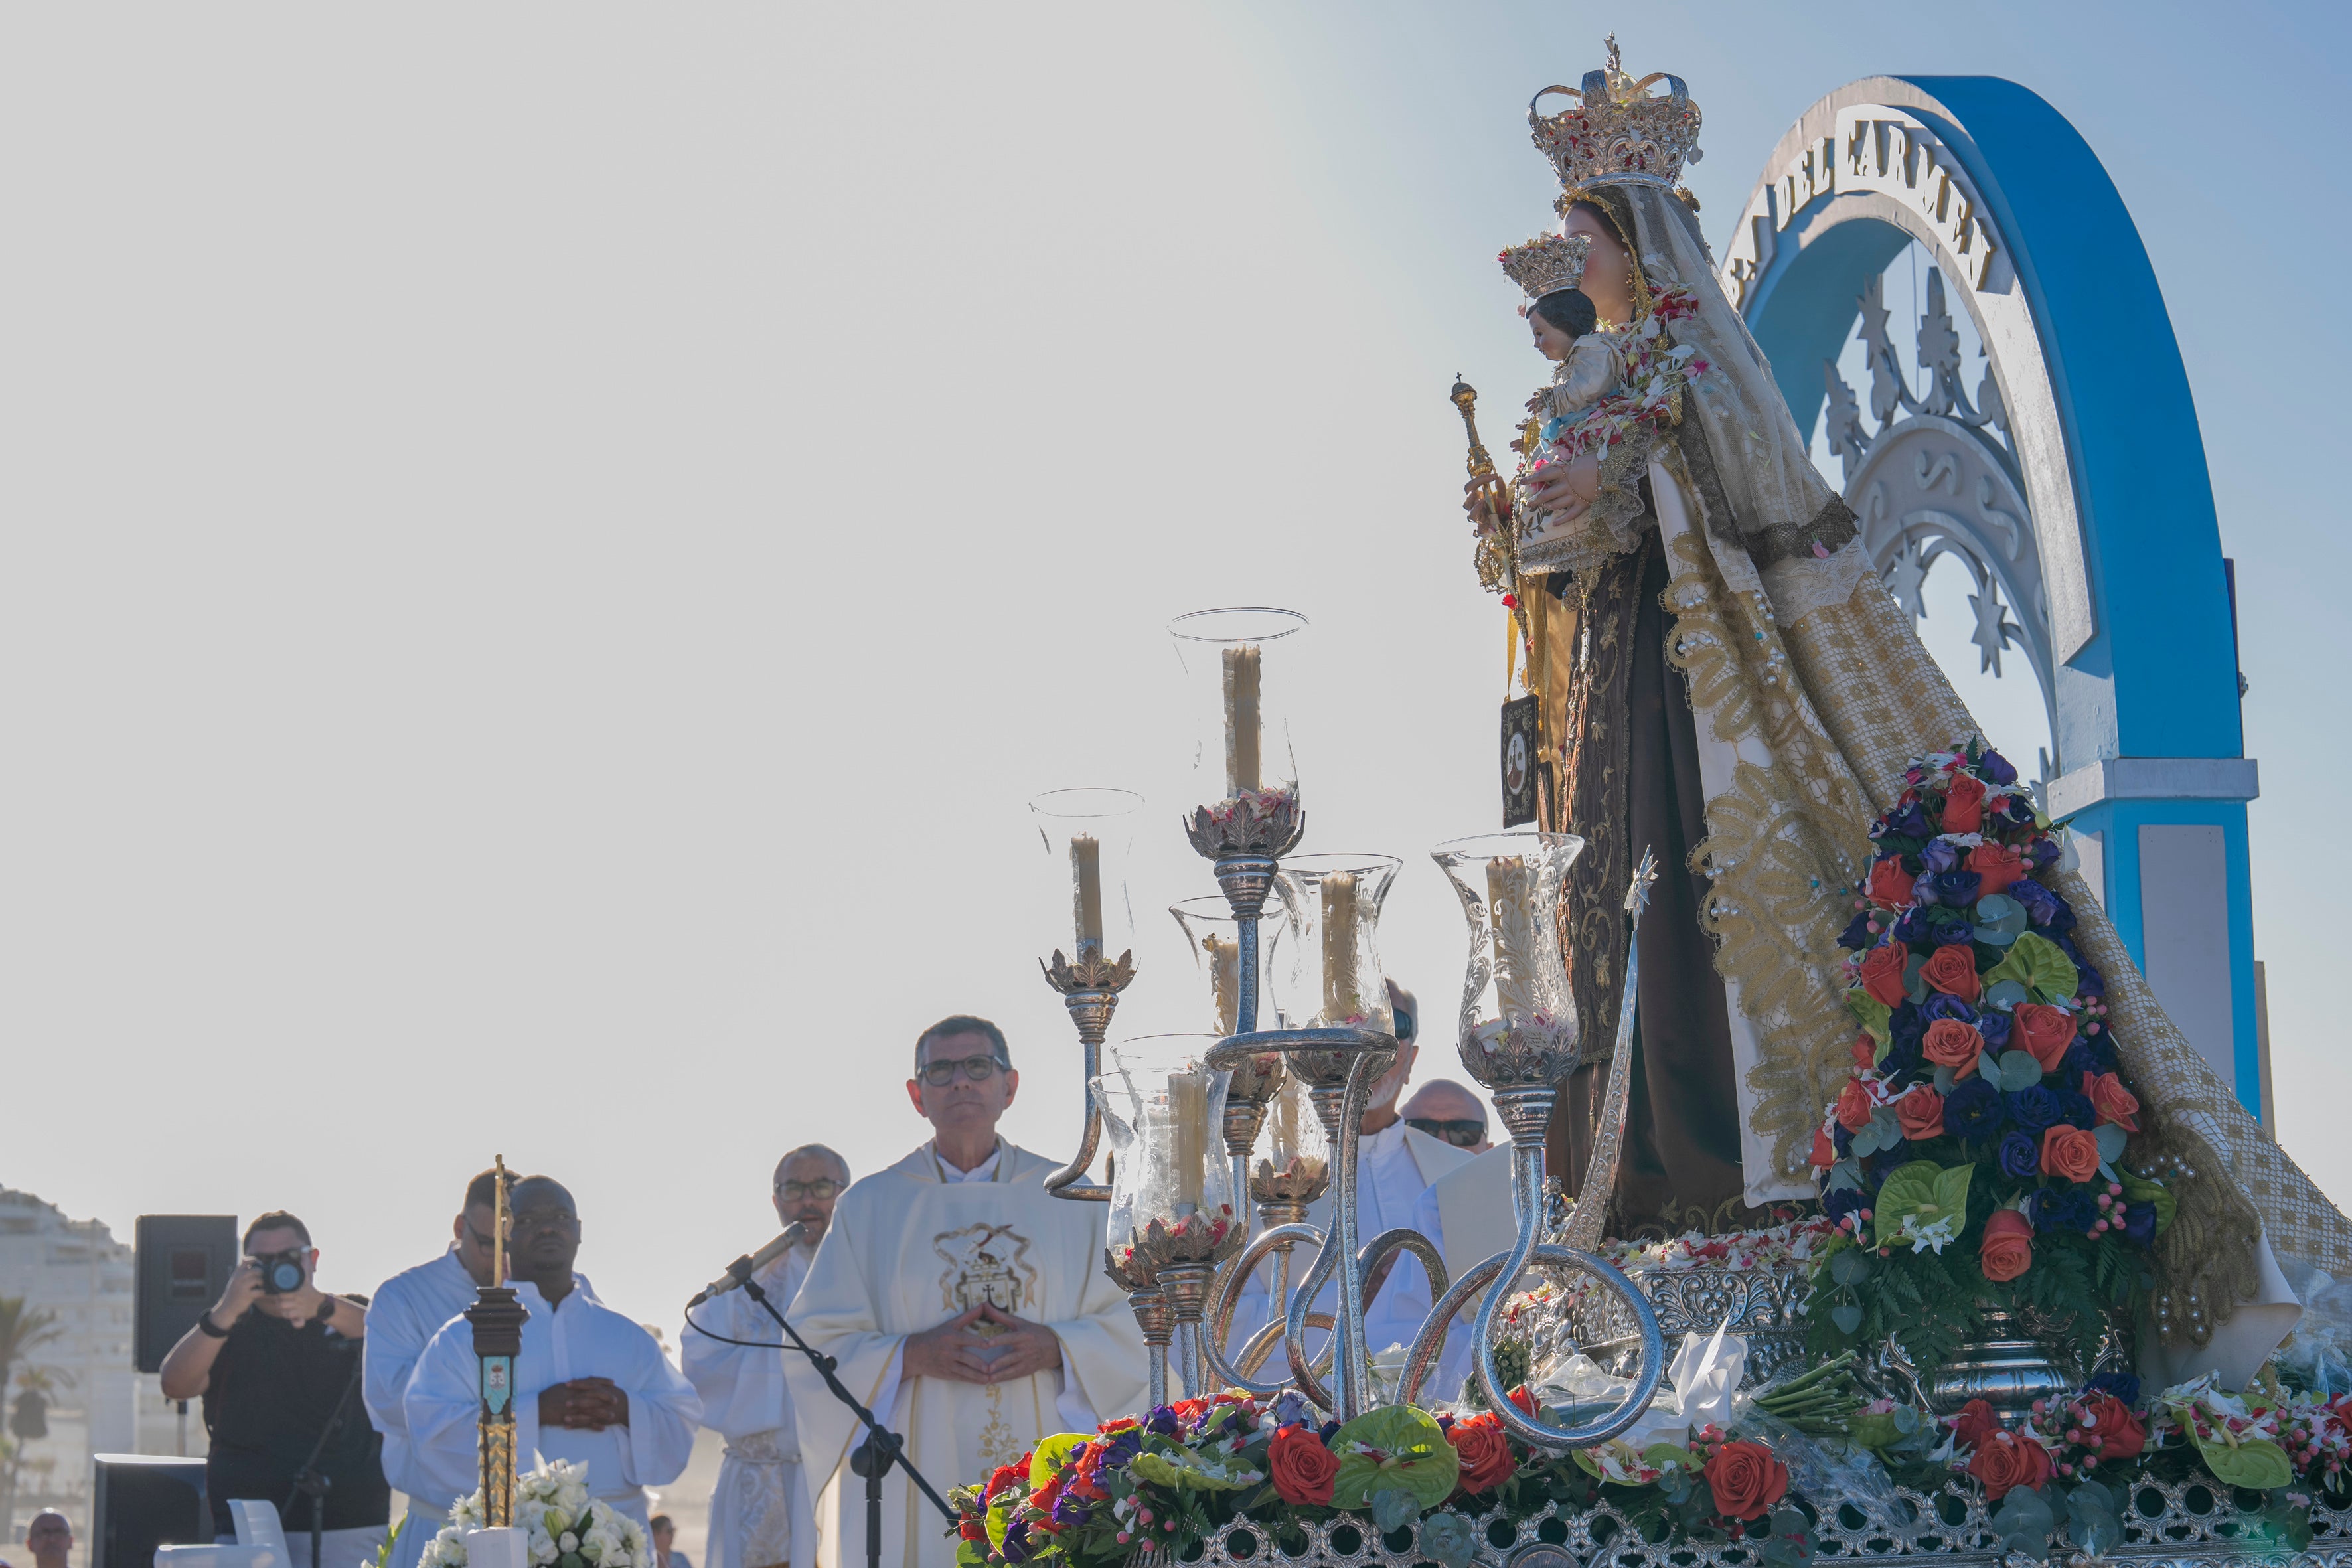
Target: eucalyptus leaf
{"points": [[1846, 1174], [2000, 919], [1944, 1078], [1913, 987], [1789, 1521], [2019, 1069], [1393, 1507], [1448, 1539], [2091, 1520], [2003, 995], [2112, 1139], [1848, 1318], [1850, 1266], [2024, 1520]]}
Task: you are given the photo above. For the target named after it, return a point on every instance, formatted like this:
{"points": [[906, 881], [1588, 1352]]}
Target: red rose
{"points": [[1302, 1467], [1825, 1150], [1964, 805], [2007, 1250], [2044, 1031], [1952, 969], [2005, 1460], [1881, 972], [973, 1529], [1485, 1456], [2070, 1154], [1998, 864], [1951, 1043], [1004, 1476], [1854, 1106], [1524, 1400], [2112, 1100], [2119, 1434], [1974, 1423], [1746, 1479], [1921, 1113], [1890, 884], [1865, 1053]]}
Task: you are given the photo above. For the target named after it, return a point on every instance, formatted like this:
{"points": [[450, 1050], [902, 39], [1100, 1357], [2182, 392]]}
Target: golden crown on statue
{"points": [[1548, 264], [1619, 132]]}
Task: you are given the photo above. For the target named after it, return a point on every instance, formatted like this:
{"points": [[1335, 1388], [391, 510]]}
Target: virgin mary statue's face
{"points": [[1608, 272]]}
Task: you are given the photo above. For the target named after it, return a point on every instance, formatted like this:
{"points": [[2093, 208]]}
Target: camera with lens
{"points": [[281, 1272]]}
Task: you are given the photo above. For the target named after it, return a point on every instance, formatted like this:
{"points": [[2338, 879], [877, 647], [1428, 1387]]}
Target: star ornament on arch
{"points": [[1994, 629]]}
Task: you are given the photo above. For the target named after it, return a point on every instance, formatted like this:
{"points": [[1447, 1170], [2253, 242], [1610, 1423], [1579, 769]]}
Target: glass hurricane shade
{"points": [[1214, 937], [1086, 838], [1164, 1111], [1237, 674], [1519, 1027]]}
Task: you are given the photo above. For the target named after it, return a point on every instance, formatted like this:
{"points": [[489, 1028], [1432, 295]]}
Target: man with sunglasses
{"points": [[590, 1386], [759, 1513], [969, 1301]]}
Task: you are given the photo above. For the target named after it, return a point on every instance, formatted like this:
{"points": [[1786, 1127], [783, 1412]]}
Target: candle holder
{"points": [[1145, 1299], [1087, 836], [1246, 774], [1519, 1026], [1172, 1196]]}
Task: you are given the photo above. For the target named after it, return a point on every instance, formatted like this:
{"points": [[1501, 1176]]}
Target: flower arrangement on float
{"points": [[1430, 1484], [565, 1527], [1973, 1160]]}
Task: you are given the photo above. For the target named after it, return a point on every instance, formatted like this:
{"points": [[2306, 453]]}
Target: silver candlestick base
{"points": [[1089, 989]]}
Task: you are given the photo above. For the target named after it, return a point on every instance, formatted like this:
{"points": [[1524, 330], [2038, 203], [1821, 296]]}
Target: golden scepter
{"points": [[1494, 559]]}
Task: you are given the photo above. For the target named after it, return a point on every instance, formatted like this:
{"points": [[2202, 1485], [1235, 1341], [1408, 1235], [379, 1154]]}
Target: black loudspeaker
{"points": [[184, 1262], [145, 1500]]}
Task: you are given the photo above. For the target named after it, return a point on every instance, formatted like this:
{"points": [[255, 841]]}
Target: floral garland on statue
{"points": [[1973, 1161], [566, 1527]]}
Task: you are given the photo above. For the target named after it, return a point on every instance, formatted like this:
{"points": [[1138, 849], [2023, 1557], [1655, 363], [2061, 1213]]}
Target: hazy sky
{"points": [[547, 547]]}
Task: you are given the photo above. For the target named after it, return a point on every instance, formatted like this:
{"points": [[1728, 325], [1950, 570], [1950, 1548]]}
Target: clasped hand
{"points": [[584, 1404], [984, 1345]]}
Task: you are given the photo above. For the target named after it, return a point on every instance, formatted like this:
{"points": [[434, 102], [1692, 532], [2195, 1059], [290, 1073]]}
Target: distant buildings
{"points": [[76, 1270]]}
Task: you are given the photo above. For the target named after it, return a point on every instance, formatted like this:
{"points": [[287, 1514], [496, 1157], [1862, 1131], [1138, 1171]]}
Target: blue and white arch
{"points": [[2071, 481]]}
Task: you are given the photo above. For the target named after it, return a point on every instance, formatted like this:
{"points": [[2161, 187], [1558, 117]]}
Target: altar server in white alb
{"points": [[759, 1512], [590, 1386], [408, 1312], [967, 1307]]}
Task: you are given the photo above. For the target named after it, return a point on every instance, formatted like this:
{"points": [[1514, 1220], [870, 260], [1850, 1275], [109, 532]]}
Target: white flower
{"points": [[1938, 1235], [570, 1542]]}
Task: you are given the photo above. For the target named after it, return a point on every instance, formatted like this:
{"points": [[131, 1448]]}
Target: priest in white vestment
{"points": [[407, 1311], [759, 1511], [1467, 1213], [966, 1305], [591, 1386]]}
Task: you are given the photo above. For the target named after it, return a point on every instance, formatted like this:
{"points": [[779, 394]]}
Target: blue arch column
{"points": [[2035, 243]]}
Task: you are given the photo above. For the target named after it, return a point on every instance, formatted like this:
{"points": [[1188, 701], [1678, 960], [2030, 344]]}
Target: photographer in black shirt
{"points": [[277, 1362]]}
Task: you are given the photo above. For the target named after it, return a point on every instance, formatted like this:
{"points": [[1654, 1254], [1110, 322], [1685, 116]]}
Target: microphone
{"points": [[742, 1269]]}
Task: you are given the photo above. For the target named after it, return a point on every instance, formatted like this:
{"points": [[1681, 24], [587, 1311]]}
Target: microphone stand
{"points": [[882, 1448]]}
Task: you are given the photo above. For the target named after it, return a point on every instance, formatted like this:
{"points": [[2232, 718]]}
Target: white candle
{"points": [[1286, 1125], [1510, 908], [1339, 947], [1225, 980], [1188, 1114], [1086, 873], [1242, 770]]}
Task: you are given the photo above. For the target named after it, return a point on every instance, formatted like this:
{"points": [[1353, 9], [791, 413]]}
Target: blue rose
{"points": [[1907, 1024], [1840, 1139], [1996, 767], [2041, 905], [2074, 1109], [1973, 1110], [1843, 1202], [1910, 822], [2065, 944], [2043, 855], [2122, 1384], [2021, 811], [2034, 1109], [2076, 1061], [2019, 1154], [1901, 1061], [1954, 933], [1958, 888], [1994, 1026], [1940, 855], [2089, 982], [2064, 1208], [1912, 926], [2139, 1223], [1940, 1004], [1857, 934]]}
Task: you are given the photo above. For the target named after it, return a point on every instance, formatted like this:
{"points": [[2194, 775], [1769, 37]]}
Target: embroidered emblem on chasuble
{"points": [[989, 1264]]}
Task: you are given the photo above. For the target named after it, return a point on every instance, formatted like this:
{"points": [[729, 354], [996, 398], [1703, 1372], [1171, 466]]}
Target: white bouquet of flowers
{"points": [[567, 1528]]}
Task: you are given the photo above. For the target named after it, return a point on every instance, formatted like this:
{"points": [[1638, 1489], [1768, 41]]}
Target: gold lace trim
{"points": [[1785, 848]]}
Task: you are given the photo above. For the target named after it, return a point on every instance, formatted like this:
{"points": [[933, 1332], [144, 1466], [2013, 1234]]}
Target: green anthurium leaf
{"points": [[1667, 1457], [2255, 1462], [1395, 1446], [2019, 1069], [2037, 964], [1393, 1507], [1906, 1187], [1052, 1453], [2139, 1190], [2112, 1140], [1874, 1015], [1848, 1318], [1952, 1189], [1158, 1469]]}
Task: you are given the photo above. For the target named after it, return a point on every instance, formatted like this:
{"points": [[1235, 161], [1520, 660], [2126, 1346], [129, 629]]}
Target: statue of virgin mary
{"points": [[1722, 677]]}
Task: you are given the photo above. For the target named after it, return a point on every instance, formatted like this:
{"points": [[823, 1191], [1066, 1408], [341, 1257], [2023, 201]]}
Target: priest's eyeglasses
{"points": [[979, 1069], [821, 1189]]}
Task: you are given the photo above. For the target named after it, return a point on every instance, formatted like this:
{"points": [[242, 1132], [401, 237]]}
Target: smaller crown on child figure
{"points": [[1546, 265]]}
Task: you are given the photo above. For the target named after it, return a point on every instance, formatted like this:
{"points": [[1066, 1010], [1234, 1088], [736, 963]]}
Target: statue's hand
{"points": [[1478, 500], [1568, 490]]}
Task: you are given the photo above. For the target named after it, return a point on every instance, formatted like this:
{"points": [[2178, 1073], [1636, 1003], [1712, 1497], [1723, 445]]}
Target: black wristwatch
{"points": [[205, 1324], [326, 1308]]}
